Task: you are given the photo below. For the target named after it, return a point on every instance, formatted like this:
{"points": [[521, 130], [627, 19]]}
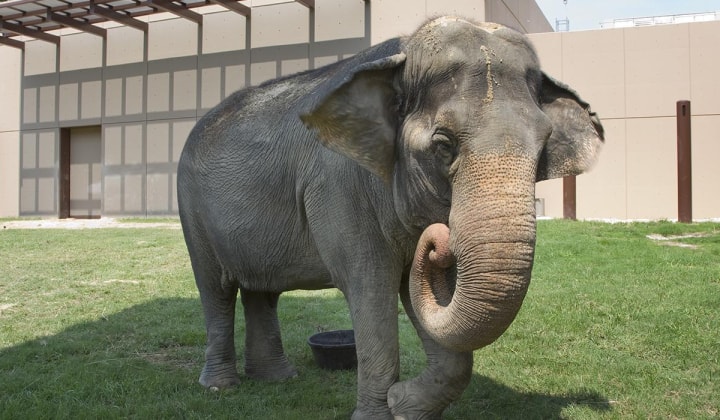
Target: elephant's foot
{"points": [[365, 414], [270, 369], [427, 396], [219, 376], [410, 400]]}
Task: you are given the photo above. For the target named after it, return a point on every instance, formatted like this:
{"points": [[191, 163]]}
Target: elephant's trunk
{"points": [[468, 281]]}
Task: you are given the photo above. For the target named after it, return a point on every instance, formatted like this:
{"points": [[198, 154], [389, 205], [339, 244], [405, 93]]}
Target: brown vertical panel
{"points": [[64, 206], [684, 162], [569, 198]]}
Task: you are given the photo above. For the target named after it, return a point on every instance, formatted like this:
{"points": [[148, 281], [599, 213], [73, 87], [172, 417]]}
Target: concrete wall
{"points": [[146, 91], [633, 77], [524, 16], [10, 74], [391, 18]]}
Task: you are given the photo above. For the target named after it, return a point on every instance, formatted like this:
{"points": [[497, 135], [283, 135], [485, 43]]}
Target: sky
{"points": [[587, 14]]}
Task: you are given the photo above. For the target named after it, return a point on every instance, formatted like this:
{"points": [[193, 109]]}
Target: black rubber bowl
{"points": [[334, 350]]}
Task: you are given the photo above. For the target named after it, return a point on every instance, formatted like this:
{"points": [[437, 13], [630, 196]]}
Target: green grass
{"points": [[106, 323]]}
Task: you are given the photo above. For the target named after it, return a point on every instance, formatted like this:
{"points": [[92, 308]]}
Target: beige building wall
{"points": [[146, 91], [40, 57], [633, 78], [10, 93], [80, 50], [524, 16], [391, 18]]}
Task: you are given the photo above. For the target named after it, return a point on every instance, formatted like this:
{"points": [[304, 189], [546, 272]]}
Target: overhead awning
{"points": [[36, 18]]}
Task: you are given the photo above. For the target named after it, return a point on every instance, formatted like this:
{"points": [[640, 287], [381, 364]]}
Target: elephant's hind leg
{"points": [[444, 379], [220, 370], [218, 297], [264, 355]]}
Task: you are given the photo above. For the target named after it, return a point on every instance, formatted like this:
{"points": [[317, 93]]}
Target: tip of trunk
{"points": [[468, 303]]}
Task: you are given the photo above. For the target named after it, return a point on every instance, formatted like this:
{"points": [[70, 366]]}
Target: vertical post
{"points": [[569, 198], [311, 39], [64, 205], [684, 162]]}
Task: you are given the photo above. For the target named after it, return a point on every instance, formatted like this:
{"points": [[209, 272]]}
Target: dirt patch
{"points": [[104, 222], [672, 240], [6, 306], [109, 282], [182, 357]]}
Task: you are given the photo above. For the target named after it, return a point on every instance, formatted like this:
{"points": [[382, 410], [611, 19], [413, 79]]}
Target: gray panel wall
{"points": [[147, 108], [39, 172]]}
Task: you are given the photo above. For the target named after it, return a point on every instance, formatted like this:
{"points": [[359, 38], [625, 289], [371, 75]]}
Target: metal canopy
{"points": [[34, 18]]}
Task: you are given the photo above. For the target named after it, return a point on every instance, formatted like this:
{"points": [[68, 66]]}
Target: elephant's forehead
{"points": [[489, 26], [459, 40], [444, 21]]}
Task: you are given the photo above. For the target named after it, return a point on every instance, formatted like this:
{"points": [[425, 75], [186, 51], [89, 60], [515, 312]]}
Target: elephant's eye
{"points": [[444, 148]]}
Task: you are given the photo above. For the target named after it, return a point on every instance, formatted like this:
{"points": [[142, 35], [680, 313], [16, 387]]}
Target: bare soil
{"points": [[104, 222]]}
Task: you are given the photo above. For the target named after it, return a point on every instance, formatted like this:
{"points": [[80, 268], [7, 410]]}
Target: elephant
{"points": [[407, 170]]}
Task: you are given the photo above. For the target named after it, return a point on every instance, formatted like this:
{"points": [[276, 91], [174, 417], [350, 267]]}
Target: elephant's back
{"points": [[254, 135], [262, 121], [244, 170]]}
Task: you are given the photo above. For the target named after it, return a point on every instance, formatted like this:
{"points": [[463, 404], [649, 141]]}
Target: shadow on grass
{"points": [[488, 398], [114, 366], [145, 360]]}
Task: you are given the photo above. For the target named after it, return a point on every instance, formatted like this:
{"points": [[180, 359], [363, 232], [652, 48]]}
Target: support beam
{"points": [[118, 17], [684, 162], [233, 5], [175, 9], [77, 24], [12, 42], [33, 33], [64, 205], [569, 198], [310, 4]]}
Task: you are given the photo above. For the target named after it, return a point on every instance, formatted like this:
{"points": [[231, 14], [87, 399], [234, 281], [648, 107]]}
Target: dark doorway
{"points": [[80, 172]]}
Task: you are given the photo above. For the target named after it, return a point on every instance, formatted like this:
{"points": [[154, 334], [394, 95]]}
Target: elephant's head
{"points": [[461, 124]]}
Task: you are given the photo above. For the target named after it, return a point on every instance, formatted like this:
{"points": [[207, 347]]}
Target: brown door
{"points": [[80, 172]]}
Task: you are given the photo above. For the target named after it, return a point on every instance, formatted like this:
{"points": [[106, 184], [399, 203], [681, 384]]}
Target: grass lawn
{"points": [[106, 323]]}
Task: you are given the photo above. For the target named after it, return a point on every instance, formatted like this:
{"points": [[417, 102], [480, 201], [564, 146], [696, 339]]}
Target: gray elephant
{"points": [[407, 169]]}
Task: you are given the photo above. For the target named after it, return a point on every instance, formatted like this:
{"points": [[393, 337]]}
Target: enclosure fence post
{"points": [[684, 162], [569, 198]]}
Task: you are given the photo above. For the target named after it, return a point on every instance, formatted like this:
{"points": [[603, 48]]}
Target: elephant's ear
{"points": [[358, 115], [577, 133]]}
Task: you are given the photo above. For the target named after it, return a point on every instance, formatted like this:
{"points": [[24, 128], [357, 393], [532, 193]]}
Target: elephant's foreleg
{"points": [[374, 316], [264, 355], [443, 381]]}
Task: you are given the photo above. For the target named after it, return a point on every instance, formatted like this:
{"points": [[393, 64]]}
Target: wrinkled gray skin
{"points": [[409, 168]]}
